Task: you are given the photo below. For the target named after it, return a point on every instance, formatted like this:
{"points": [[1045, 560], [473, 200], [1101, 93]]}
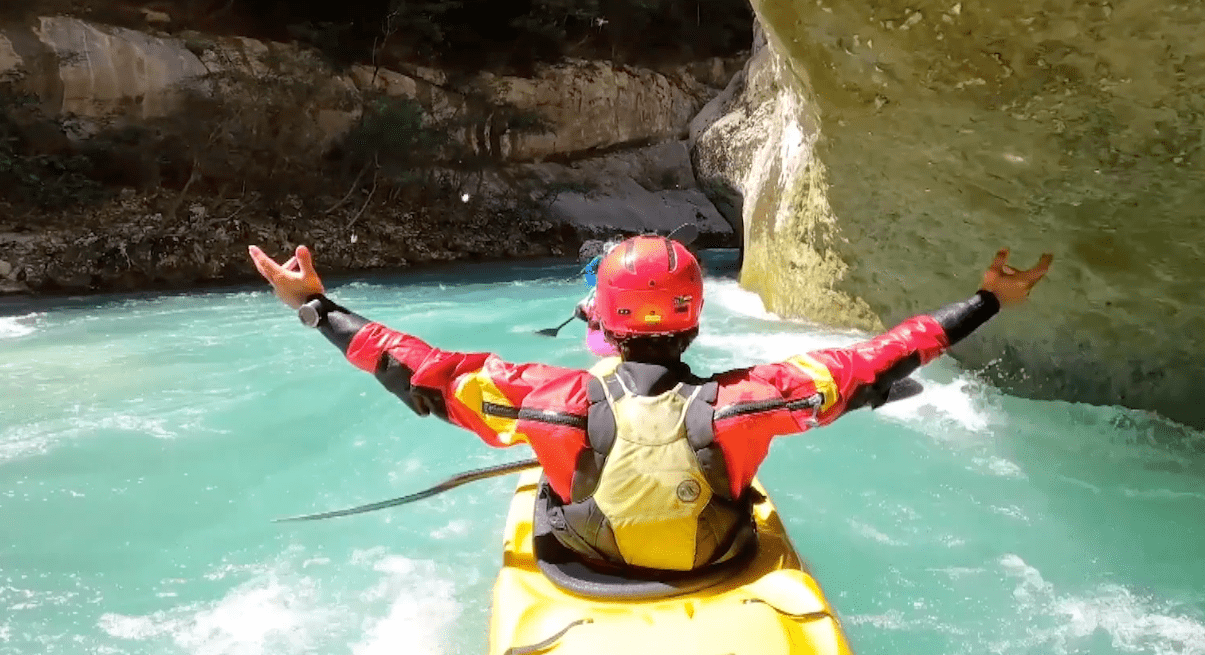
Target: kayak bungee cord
{"points": [[450, 483]]}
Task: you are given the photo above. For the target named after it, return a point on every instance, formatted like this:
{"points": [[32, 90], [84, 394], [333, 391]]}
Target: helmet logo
{"points": [[682, 304], [652, 317], [689, 491]]}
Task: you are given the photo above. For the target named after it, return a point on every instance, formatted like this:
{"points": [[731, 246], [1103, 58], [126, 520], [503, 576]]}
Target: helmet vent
{"points": [[629, 257], [672, 256]]}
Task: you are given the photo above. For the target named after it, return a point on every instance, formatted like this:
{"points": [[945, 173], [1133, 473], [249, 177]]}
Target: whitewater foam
{"points": [[950, 396], [422, 613], [266, 615], [12, 327], [1133, 623], [280, 611], [999, 466]]}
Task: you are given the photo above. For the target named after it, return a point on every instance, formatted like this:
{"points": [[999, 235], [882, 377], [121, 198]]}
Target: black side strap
{"points": [[700, 415], [340, 325], [876, 393], [600, 422], [962, 318], [395, 376]]}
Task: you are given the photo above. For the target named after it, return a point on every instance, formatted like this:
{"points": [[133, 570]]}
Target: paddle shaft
{"points": [[450, 483], [551, 332], [899, 390]]}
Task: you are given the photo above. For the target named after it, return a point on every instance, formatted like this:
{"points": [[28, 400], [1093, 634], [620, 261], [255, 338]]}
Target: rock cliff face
{"points": [[100, 73], [885, 150], [96, 71]]}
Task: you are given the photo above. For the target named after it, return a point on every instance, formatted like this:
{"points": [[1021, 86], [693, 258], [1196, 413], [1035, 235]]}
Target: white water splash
{"points": [[729, 295], [950, 396], [265, 615], [998, 466], [454, 528], [23, 441], [12, 327], [1132, 623], [281, 612], [422, 613]]}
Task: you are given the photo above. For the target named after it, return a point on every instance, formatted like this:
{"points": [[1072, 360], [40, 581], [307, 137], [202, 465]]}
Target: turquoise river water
{"points": [[147, 441]]}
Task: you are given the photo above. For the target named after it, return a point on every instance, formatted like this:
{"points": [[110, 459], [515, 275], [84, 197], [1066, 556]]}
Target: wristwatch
{"points": [[314, 311]]}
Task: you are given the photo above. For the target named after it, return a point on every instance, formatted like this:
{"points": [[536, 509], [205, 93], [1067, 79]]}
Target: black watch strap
{"points": [[337, 323]]}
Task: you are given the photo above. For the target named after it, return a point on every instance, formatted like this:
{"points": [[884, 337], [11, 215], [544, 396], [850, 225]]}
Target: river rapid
{"points": [[146, 442]]}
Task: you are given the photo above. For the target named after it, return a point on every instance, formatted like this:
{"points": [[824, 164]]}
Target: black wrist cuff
{"points": [[337, 323], [962, 318]]}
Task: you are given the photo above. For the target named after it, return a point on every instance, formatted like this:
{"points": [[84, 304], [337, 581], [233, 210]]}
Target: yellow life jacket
{"points": [[652, 489]]}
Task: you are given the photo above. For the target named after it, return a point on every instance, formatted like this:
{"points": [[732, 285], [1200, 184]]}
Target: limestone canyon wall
{"points": [[885, 150], [94, 70], [611, 141]]}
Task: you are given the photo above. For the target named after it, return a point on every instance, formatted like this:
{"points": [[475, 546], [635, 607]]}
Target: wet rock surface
{"points": [[891, 148]]}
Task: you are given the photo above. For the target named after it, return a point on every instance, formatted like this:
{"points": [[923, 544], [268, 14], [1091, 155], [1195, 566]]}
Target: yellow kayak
{"points": [[770, 605]]}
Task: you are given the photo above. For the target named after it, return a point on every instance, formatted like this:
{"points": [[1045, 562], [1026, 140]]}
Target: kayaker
{"points": [[584, 310], [648, 466]]}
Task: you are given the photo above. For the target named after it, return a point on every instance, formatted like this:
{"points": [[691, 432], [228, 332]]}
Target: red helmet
{"points": [[649, 285]]}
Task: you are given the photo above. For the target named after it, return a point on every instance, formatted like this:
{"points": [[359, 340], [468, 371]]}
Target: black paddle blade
{"points": [[685, 234], [551, 332], [904, 388]]}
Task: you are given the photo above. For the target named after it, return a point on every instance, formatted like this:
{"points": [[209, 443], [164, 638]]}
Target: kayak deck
{"points": [[772, 607]]}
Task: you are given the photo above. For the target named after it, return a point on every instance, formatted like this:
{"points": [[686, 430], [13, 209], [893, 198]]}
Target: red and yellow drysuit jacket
{"points": [[546, 406]]}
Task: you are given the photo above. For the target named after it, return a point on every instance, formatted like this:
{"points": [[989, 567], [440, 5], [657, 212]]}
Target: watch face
{"points": [[308, 315]]}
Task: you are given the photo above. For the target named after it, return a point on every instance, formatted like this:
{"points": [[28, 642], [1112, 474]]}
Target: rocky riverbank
{"points": [[129, 246]]}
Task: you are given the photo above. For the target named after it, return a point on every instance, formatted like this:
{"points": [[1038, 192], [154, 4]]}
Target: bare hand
{"points": [[1009, 285], [294, 281]]}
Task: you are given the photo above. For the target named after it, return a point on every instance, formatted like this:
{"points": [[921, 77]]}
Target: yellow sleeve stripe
{"points": [[821, 377], [475, 391]]}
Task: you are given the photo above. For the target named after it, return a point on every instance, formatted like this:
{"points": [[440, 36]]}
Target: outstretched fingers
{"points": [[306, 262], [998, 263], [263, 263], [1038, 272]]}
